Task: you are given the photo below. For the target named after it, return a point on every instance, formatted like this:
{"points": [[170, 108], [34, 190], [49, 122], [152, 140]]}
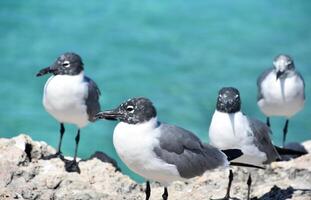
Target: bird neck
{"points": [[228, 110], [152, 123]]}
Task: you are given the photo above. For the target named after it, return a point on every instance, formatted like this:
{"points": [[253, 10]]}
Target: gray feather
{"points": [[260, 79], [262, 139], [184, 150], [92, 100], [304, 84]]}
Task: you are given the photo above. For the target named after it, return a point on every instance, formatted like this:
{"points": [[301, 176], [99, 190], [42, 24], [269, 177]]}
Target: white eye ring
{"points": [[236, 96], [130, 109], [66, 64]]}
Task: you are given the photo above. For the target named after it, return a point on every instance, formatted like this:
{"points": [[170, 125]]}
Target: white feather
{"points": [[64, 98], [134, 144], [229, 131], [282, 97]]}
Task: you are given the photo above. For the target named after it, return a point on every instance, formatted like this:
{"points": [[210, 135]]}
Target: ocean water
{"points": [[177, 53]]}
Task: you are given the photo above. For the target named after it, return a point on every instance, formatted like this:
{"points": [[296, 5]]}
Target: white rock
{"points": [[47, 179]]}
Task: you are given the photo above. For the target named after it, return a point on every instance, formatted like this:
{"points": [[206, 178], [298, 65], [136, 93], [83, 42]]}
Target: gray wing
{"points": [[262, 139], [92, 100], [304, 84], [184, 150], [260, 80]]}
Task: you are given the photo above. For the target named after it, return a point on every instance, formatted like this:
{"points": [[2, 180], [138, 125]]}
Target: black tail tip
{"points": [[246, 165], [232, 153], [294, 151]]}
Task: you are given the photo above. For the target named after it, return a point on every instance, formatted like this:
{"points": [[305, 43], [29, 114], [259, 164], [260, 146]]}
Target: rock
{"points": [[23, 175], [104, 158]]}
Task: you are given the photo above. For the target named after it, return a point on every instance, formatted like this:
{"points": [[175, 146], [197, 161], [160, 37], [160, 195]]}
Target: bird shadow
{"points": [[277, 193], [104, 158]]}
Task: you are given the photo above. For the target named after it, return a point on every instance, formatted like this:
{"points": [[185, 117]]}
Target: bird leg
{"points": [[227, 197], [62, 131], [148, 190], [285, 131], [77, 143], [165, 194], [73, 166], [268, 122], [58, 154], [229, 184], [249, 183]]}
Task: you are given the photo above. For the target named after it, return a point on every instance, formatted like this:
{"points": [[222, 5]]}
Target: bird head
{"points": [[133, 111], [283, 64], [66, 64]]}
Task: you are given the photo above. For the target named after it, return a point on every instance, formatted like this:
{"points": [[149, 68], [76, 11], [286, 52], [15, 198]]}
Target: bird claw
{"points": [[72, 166]]}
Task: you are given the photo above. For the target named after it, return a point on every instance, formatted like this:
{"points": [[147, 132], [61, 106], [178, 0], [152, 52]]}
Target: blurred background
{"points": [[177, 53]]}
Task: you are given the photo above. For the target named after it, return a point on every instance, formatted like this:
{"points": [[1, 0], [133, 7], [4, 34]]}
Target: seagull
{"points": [[70, 97], [230, 128], [281, 91], [158, 151]]}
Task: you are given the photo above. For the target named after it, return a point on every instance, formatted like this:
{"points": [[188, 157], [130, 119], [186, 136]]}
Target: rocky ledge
{"points": [[23, 175]]}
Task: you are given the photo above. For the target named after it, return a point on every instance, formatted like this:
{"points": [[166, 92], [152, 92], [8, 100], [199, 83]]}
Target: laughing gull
{"points": [[159, 151], [70, 97], [230, 128], [281, 91]]}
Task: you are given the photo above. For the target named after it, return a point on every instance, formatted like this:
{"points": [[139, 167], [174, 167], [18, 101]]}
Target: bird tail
{"points": [[235, 153], [232, 153], [285, 151], [245, 165]]}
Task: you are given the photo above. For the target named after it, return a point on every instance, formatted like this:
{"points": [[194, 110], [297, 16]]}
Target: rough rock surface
{"points": [[23, 175]]}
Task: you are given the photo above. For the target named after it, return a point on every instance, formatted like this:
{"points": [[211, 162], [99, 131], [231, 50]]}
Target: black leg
{"points": [[59, 152], [77, 143], [249, 184], [148, 190], [73, 166], [165, 194], [62, 131], [285, 131], [229, 185], [268, 122], [227, 197]]}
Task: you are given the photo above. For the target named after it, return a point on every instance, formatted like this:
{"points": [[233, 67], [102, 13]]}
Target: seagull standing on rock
{"points": [[281, 91], [70, 97], [230, 128], [159, 151]]}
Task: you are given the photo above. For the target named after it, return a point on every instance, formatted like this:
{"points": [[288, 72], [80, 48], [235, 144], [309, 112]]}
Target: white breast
{"points": [[135, 143], [64, 98], [282, 97], [229, 131]]}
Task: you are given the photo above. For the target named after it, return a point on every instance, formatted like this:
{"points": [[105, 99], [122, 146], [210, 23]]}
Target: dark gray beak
{"points": [[279, 74], [50, 69], [109, 115], [44, 71]]}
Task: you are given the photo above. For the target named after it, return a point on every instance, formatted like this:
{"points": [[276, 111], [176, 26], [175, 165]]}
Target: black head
{"points": [[283, 64], [228, 100], [133, 111], [66, 64]]}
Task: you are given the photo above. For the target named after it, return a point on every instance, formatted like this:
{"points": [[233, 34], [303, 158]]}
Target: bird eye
{"points": [[130, 108], [66, 64], [236, 96]]}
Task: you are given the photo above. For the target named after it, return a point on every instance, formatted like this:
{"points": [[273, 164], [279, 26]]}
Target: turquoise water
{"points": [[177, 53]]}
